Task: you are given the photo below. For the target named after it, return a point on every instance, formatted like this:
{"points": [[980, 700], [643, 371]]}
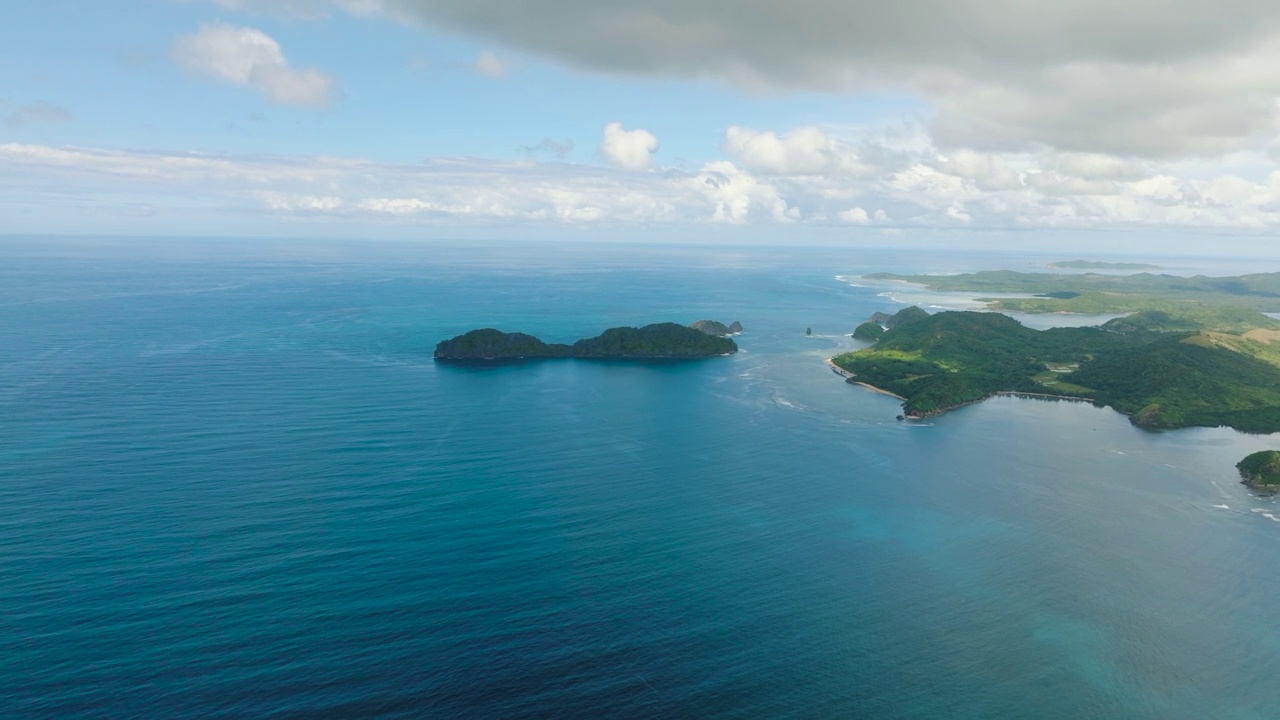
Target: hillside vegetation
{"points": [[1261, 470], [660, 340], [1162, 370]]}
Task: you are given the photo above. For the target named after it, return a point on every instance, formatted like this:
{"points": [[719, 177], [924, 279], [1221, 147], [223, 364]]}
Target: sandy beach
{"points": [[848, 376]]}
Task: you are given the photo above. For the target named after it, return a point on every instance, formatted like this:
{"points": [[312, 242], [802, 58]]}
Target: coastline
{"points": [[849, 378]]}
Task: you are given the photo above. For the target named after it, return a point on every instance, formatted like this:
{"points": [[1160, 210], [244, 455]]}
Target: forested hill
{"points": [[1158, 378], [660, 340]]}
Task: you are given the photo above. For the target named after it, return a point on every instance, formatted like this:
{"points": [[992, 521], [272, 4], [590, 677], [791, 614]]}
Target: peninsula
{"points": [[1162, 370], [657, 341], [1097, 293]]}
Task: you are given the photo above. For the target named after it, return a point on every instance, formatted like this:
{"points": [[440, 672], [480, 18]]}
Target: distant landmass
{"points": [[717, 328], [1097, 293], [1261, 470], [1162, 370], [657, 341], [1096, 265]]}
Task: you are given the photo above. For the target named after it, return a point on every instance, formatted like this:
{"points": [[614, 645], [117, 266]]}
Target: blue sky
{"points": [[405, 92], [441, 117]]}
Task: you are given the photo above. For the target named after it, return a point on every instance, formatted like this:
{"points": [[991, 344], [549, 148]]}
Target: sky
{"points": [[1128, 123]]}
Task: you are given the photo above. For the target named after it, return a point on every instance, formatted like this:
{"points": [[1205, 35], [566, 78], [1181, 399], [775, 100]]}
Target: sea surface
{"points": [[234, 484]]}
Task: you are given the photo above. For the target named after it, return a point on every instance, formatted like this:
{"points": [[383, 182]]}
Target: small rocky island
{"points": [[1261, 470], [658, 341], [717, 328]]}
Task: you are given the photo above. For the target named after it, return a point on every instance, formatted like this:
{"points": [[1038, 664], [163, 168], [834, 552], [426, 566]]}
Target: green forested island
{"points": [[1163, 370], [657, 341], [717, 328], [1098, 265], [1096, 293], [1261, 470]]}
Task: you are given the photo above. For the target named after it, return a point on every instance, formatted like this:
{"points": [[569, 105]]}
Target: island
{"points": [[1097, 265], [717, 328], [668, 341], [1261, 470], [1163, 370]]}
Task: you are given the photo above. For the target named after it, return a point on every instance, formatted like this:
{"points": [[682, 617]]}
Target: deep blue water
{"points": [[234, 484]]}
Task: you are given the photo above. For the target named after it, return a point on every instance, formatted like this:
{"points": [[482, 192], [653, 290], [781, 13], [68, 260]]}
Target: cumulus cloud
{"points": [[856, 215], [734, 193], [629, 149], [250, 58], [803, 151], [988, 172], [36, 112], [930, 190]]}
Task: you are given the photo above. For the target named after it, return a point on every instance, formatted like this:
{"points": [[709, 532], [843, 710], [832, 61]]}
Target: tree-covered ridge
{"points": [[660, 340], [1160, 379], [1096, 293], [1177, 382], [1261, 470], [953, 358]]}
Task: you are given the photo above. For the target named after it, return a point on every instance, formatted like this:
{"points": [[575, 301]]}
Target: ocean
{"points": [[235, 484]]}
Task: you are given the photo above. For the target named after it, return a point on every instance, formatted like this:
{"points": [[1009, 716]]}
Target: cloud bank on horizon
{"points": [[1081, 114]]}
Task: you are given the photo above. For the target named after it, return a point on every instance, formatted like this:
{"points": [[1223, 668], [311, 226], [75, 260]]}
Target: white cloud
{"points": [[1097, 166], [734, 194], [927, 190], [803, 151], [250, 58], [489, 65], [857, 216], [629, 149], [987, 171]]}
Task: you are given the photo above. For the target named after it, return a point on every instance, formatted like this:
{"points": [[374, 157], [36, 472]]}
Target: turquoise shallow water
{"points": [[236, 485]]}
